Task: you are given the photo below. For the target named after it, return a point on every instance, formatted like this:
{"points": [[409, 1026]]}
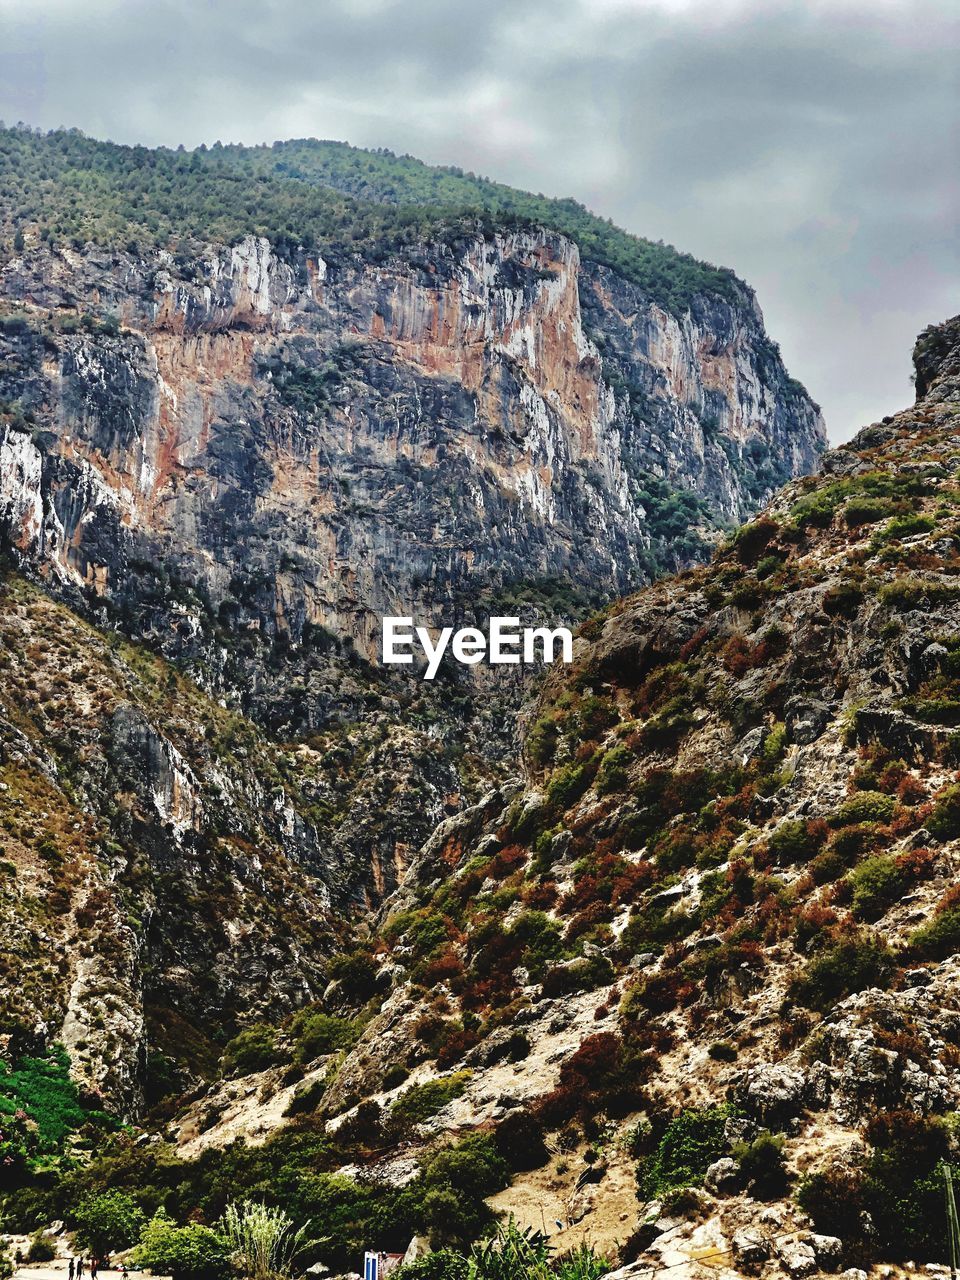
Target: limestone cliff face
{"points": [[314, 443], [246, 460]]}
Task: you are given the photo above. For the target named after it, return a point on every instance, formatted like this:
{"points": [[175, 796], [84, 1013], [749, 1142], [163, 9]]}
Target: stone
{"points": [[828, 1251], [798, 1258], [722, 1176], [750, 1247]]}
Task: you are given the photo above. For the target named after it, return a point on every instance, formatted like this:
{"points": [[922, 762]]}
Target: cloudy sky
{"points": [[813, 147]]}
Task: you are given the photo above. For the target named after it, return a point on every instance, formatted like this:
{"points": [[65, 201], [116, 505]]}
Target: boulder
{"points": [[722, 1176], [750, 1247], [828, 1251], [772, 1094], [798, 1258]]}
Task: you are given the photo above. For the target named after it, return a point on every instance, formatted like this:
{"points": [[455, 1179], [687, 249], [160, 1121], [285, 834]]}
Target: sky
{"points": [[812, 147]]}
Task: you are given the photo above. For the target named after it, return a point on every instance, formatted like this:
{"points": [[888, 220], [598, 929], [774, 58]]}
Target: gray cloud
{"points": [[812, 147]]}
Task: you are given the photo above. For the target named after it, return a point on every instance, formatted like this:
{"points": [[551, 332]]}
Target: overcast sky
{"points": [[812, 147]]}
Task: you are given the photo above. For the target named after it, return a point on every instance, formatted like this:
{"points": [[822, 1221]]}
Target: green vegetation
{"points": [[691, 1142], [865, 806], [893, 1207], [39, 1090], [324, 195], [944, 820], [876, 883], [421, 1101], [261, 1240], [673, 516], [762, 1164], [316, 1033], [940, 937], [107, 1221], [509, 1254], [191, 1252], [252, 1050], [852, 964]]}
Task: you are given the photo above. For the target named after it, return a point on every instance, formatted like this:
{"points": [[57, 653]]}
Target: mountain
{"points": [[255, 398], [693, 977]]}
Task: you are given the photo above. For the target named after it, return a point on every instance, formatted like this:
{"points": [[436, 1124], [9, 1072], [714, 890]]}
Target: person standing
{"points": [[80, 1267], [70, 1270], [93, 1269]]}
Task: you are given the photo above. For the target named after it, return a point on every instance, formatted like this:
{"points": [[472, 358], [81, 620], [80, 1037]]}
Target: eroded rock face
{"points": [[346, 439], [269, 454]]}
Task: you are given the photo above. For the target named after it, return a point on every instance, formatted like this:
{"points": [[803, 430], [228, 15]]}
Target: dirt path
{"points": [[57, 1269]]}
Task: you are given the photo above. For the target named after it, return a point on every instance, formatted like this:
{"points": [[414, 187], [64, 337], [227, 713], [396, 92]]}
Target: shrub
{"points": [[582, 975], [603, 1075], [751, 540], [916, 593], [692, 1141], [192, 1252], [441, 1264], [903, 1185], [876, 884], [421, 1101], [865, 806], [852, 964], [519, 1140], [540, 744], [835, 1200], [842, 599], [42, 1248], [612, 774], [940, 937], [395, 1075], [307, 1097], [944, 820], [723, 1051], [567, 785], [850, 842], [904, 527], [762, 1164], [252, 1050], [796, 841], [860, 511], [356, 973], [895, 1204], [454, 1186], [318, 1033]]}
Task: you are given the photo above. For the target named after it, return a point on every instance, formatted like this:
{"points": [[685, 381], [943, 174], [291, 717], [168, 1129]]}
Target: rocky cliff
{"points": [[237, 450], [161, 879], [246, 460], [311, 446]]}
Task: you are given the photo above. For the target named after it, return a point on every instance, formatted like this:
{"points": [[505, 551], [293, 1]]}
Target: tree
{"points": [[107, 1221]]}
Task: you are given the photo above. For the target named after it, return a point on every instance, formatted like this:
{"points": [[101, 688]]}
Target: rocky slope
{"points": [[245, 455], [161, 878], [714, 931]]}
